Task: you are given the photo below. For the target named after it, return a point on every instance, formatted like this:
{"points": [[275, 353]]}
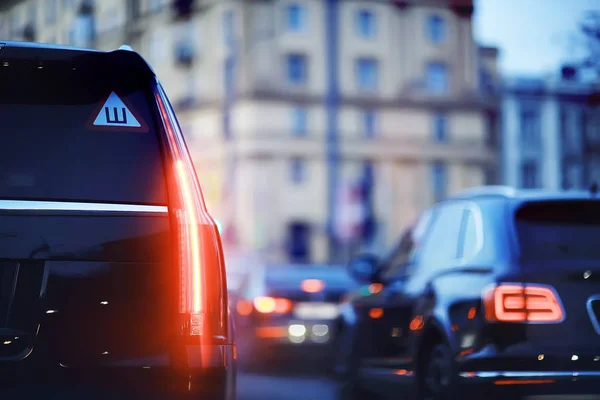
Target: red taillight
{"points": [[522, 303], [267, 305], [244, 307], [312, 285], [198, 251]]}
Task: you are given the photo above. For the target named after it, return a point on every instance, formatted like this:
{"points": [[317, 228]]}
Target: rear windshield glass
{"points": [[559, 230], [55, 148]]}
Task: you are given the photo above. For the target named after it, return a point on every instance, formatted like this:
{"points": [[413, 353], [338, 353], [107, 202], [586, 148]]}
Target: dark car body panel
{"points": [[88, 289], [446, 305]]}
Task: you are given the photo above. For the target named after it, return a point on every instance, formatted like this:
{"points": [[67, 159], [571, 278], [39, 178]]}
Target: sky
{"points": [[534, 36]]}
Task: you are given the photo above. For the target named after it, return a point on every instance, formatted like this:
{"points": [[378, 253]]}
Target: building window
{"points": [[368, 123], [299, 121], [439, 180], [365, 24], [228, 27], [298, 242], [529, 129], [440, 128], [297, 171], [50, 11], [367, 71], [297, 69], [295, 17], [437, 78], [436, 29], [529, 175]]}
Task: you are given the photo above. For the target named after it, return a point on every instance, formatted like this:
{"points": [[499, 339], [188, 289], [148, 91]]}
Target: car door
{"points": [[390, 312], [438, 256]]}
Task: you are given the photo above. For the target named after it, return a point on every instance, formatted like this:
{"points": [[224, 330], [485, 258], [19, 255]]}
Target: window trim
{"points": [[470, 207]]}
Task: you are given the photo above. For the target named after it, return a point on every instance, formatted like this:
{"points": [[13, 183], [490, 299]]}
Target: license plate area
{"points": [[316, 311]]}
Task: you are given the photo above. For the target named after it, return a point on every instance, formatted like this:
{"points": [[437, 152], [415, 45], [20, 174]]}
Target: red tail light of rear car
{"points": [[524, 303]]}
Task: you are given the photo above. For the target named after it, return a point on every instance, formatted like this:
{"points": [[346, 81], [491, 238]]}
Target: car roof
{"points": [[11, 44], [518, 196], [43, 52]]}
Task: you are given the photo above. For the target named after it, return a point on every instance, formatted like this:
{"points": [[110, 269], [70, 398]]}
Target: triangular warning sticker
{"points": [[114, 114]]}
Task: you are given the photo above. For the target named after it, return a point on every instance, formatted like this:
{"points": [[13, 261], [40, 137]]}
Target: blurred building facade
{"points": [[551, 132], [399, 89]]}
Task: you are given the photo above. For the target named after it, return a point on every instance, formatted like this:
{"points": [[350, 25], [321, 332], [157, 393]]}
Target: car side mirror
{"points": [[365, 268]]}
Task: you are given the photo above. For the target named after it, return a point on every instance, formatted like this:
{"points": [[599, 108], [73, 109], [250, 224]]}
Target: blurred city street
{"points": [[398, 198]]}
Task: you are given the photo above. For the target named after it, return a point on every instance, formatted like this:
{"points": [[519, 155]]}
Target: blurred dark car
{"points": [[283, 310], [112, 279], [495, 293]]}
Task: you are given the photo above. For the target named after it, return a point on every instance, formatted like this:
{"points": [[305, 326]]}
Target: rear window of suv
{"points": [[49, 151], [559, 230]]}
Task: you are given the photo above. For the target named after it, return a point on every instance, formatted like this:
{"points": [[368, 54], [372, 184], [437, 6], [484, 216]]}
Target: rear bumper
{"points": [[200, 372], [533, 370], [532, 383]]}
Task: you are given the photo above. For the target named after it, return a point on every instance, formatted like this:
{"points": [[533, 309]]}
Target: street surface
{"points": [[254, 386], [286, 378]]}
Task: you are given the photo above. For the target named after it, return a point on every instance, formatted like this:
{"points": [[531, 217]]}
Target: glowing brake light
{"points": [[267, 305], [312, 285], [198, 251], [522, 303]]}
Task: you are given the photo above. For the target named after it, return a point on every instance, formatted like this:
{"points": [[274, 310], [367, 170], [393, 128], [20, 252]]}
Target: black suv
{"points": [[112, 278], [496, 289]]}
